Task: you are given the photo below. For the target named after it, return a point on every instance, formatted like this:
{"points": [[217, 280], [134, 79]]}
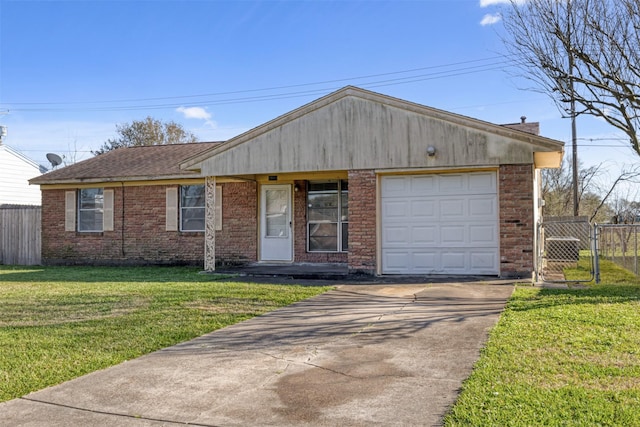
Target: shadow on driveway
{"points": [[360, 355]]}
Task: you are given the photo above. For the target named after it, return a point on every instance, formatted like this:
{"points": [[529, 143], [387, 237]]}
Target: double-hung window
{"points": [[192, 207], [90, 209], [328, 216]]}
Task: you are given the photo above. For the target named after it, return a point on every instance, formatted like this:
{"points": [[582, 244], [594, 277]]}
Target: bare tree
{"points": [[597, 190], [557, 188], [147, 132], [628, 174], [625, 211], [586, 51]]}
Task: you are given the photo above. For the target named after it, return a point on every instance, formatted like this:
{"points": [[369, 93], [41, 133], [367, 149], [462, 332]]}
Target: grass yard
{"points": [[57, 323], [567, 357]]}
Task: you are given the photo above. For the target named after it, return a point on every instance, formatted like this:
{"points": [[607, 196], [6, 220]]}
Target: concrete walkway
{"points": [[361, 355]]}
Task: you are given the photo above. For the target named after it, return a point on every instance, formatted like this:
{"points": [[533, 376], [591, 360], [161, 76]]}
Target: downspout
{"points": [[122, 223]]}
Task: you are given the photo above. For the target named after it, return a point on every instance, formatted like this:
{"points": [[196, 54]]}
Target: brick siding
{"points": [[362, 221], [517, 226], [237, 242], [139, 236], [143, 239]]}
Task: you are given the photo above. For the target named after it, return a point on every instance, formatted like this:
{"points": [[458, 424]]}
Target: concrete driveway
{"points": [[361, 355]]}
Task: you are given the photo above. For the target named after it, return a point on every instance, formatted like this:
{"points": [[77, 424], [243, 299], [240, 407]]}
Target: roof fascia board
{"points": [[112, 179]]}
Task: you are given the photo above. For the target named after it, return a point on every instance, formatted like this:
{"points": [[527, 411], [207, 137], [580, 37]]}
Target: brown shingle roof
{"points": [[126, 164]]}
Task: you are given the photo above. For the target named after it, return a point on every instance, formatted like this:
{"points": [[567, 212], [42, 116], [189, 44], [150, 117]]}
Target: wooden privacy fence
{"points": [[20, 235]]}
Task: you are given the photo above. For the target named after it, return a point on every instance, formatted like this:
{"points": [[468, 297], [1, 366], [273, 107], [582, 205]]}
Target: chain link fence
{"points": [[562, 242], [619, 243]]}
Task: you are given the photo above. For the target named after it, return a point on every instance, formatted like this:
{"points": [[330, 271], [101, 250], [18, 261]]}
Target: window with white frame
{"points": [[192, 207], [328, 216], [90, 209]]}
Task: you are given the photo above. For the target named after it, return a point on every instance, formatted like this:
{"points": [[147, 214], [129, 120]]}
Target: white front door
{"points": [[276, 239]]}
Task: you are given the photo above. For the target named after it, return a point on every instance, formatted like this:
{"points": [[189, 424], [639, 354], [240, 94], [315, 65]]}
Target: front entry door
{"points": [[276, 240]]}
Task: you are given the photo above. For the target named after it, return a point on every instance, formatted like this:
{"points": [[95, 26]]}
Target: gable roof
{"points": [[24, 159], [353, 128], [15, 171], [128, 164]]}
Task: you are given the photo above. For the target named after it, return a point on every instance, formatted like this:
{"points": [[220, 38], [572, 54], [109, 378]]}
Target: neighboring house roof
{"points": [[151, 162], [354, 128], [15, 171]]}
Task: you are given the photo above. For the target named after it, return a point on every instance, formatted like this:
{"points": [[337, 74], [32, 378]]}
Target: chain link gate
{"points": [[561, 244]]}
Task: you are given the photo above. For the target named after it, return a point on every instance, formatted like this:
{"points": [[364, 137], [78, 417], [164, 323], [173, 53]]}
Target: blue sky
{"points": [[71, 70]]}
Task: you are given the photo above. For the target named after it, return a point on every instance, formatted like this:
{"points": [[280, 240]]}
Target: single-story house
{"points": [[382, 185]]}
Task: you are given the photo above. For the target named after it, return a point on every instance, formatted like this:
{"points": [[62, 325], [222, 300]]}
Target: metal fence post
{"points": [[596, 255], [635, 250]]}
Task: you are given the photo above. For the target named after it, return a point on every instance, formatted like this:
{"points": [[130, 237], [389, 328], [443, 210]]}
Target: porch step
{"points": [[308, 271]]}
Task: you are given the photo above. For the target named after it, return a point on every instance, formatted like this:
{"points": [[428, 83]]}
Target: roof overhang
{"points": [[115, 180], [547, 159]]}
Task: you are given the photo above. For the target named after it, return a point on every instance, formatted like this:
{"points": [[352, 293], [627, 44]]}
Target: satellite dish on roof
{"points": [[54, 159]]}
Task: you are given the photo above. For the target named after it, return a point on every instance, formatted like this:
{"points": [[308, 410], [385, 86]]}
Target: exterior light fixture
{"points": [[431, 151]]}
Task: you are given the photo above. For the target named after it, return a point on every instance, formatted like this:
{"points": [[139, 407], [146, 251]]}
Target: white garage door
{"points": [[440, 224]]}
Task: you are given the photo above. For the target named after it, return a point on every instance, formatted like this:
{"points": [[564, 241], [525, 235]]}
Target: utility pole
{"points": [[574, 137], [574, 140], [3, 129]]}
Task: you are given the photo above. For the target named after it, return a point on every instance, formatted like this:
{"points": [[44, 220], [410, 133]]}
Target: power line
{"points": [[461, 68]]}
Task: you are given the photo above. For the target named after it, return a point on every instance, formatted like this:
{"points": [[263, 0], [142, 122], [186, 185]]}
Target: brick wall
{"points": [[533, 127], [237, 242], [139, 235], [362, 221], [516, 220], [142, 238]]}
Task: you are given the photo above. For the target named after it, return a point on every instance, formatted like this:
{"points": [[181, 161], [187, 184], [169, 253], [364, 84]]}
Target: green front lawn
{"points": [[57, 323], [560, 357]]}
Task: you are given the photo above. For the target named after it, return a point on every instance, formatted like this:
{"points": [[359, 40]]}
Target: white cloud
{"points": [[198, 113], [490, 19], [194, 113], [485, 3]]}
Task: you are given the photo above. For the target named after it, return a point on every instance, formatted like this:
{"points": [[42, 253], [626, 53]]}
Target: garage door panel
{"points": [[482, 234], [424, 235], [440, 224], [452, 208], [397, 261], [482, 206], [453, 234], [424, 261], [422, 185], [454, 260], [453, 183], [483, 260], [396, 236], [425, 209], [397, 185], [396, 209], [482, 183]]}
